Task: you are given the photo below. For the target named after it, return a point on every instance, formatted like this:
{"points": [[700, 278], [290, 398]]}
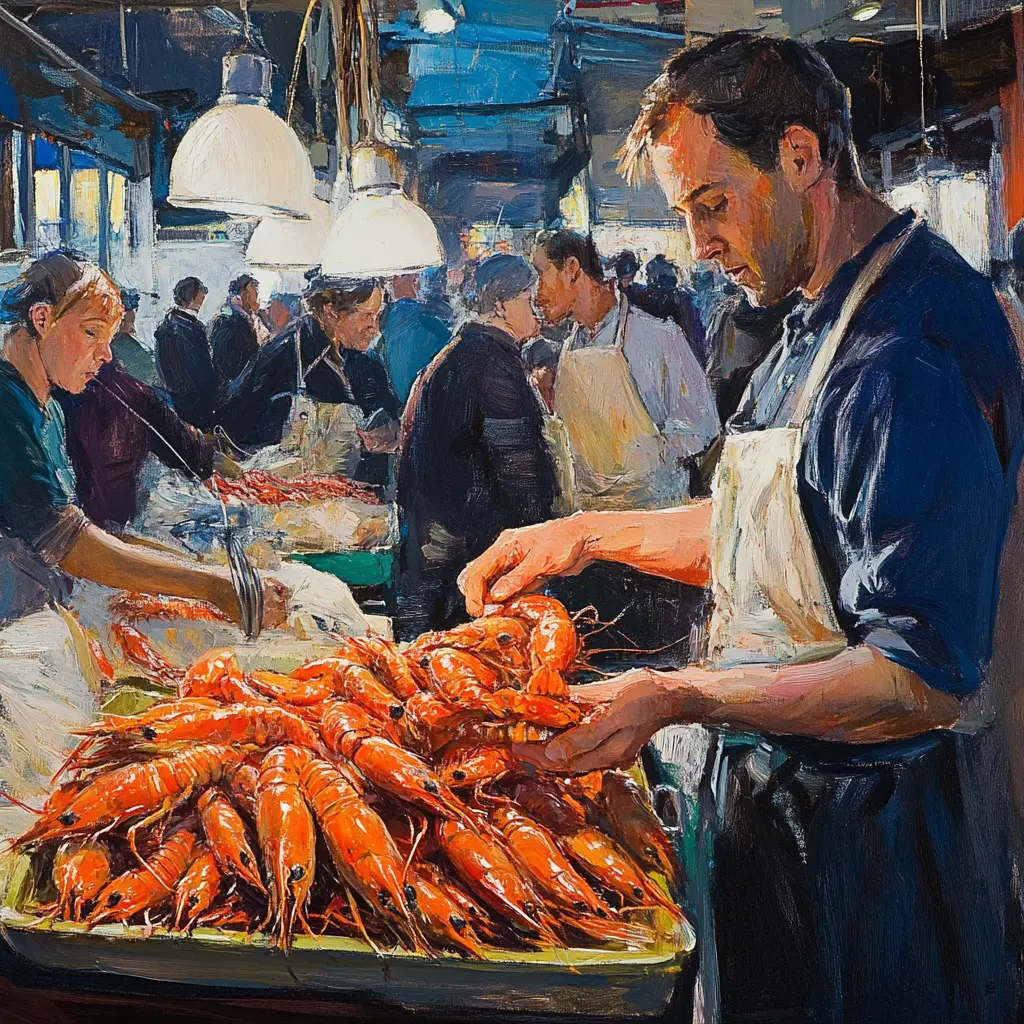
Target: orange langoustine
{"points": [[397, 764]]}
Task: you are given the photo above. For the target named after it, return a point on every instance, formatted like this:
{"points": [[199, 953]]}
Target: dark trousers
{"points": [[863, 893]]}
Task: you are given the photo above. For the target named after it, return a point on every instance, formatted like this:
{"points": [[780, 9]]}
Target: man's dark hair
{"points": [[626, 263], [343, 295], [752, 88], [240, 283], [187, 289], [558, 246]]}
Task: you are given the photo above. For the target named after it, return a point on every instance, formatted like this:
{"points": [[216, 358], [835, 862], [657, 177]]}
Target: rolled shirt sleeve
{"points": [[37, 488], [905, 486]]}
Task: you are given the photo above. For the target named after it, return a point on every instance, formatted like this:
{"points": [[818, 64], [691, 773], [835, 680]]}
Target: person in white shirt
{"points": [[634, 399]]}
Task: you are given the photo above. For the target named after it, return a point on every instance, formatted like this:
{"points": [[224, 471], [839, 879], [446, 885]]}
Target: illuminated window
{"points": [[117, 190], [85, 210], [48, 208]]}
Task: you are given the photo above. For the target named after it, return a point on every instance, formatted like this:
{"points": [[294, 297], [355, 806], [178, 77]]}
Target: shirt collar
{"points": [[189, 313], [824, 310], [503, 338], [609, 321]]}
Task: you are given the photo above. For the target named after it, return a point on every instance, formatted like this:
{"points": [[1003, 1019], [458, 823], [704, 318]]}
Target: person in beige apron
{"points": [[853, 864], [316, 389], [628, 388]]}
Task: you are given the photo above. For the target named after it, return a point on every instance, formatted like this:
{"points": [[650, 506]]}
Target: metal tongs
{"points": [[247, 583]]}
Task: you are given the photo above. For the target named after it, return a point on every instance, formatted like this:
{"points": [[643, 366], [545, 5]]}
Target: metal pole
{"points": [[104, 235], [340, 36], [65, 193], [27, 192]]}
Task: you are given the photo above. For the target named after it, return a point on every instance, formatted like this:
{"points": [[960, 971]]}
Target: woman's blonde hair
{"points": [[62, 282]]}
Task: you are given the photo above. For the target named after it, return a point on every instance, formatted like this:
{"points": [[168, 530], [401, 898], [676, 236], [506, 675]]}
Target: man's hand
{"points": [[613, 733], [521, 559], [381, 440]]}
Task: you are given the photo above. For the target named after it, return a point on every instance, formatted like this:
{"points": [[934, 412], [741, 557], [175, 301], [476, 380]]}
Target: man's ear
{"points": [[573, 266], [800, 157]]}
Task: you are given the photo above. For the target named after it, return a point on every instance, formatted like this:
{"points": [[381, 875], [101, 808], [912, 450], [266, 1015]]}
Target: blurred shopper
{"points": [[184, 360], [474, 461], [112, 427], [434, 284], [235, 331], [410, 334], [126, 347], [627, 266], [322, 360], [666, 298], [632, 394], [739, 337], [282, 309]]}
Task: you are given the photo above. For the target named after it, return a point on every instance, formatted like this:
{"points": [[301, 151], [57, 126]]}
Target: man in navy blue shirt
{"points": [[860, 870]]}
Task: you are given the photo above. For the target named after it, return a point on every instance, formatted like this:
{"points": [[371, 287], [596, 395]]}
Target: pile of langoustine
{"points": [[260, 488], [383, 795]]}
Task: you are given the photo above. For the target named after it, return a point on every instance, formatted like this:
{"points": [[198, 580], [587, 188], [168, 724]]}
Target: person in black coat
{"points": [[183, 358], [473, 458], [333, 338], [233, 335]]}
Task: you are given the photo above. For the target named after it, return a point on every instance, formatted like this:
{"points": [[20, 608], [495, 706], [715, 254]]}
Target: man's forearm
{"points": [[104, 559], [859, 696], [670, 542]]}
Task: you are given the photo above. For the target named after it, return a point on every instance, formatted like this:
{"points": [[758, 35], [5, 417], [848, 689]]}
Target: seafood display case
{"points": [[584, 982], [530, 893]]}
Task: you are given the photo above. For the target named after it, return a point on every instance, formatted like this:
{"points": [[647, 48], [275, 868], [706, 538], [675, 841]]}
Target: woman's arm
{"points": [[104, 559], [670, 542]]}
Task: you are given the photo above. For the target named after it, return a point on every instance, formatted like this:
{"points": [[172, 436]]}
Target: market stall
{"points": [[351, 821]]}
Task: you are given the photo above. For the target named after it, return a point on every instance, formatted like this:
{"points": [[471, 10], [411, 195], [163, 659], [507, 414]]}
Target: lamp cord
{"points": [[294, 83]]}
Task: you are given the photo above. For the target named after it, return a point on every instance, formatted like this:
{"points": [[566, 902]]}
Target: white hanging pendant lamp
{"points": [[283, 243], [380, 232], [240, 158]]}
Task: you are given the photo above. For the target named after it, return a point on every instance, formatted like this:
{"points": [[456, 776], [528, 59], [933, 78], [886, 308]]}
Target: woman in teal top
{"points": [[65, 314]]}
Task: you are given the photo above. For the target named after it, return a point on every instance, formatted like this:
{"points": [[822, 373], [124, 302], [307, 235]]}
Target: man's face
{"points": [[358, 328], [752, 222], [251, 298], [556, 289]]}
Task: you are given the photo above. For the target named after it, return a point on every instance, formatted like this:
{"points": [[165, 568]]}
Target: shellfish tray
{"points": [[615, 984]]}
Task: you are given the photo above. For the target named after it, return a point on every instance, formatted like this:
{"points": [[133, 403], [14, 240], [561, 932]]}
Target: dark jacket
{"points": [[740, 335], [473, 461], [233, 342], [108, 443], [672, 304], [185, 365], [256, 406]]}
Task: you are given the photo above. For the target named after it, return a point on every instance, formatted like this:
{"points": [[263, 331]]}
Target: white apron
{"points": [[49, 685], [617, 450], [770, 602], [323, 434]]}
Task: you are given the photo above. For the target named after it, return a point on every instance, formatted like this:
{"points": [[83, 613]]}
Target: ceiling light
{"points": [[240, 158], [866, 11], [436, 21], [284, 243], [381, 232]]}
